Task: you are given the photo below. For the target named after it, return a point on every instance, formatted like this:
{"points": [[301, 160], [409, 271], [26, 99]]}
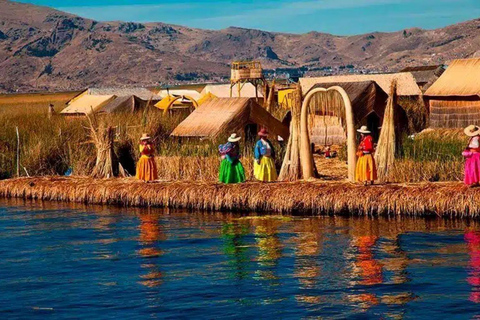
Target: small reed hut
{"points": [[327, 116], [226, 115], [454, 99]]}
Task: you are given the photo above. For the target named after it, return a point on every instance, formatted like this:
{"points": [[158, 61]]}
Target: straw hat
{"points": [[472, 130], [364, 129], [234, 138], [263, 132], [145, 137]]}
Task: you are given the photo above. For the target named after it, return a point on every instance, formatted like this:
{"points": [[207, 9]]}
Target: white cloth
{"points": [[268, 152], [474, 143]]}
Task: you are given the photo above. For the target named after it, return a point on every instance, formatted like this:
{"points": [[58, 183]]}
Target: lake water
{"points": [[63, 261]]}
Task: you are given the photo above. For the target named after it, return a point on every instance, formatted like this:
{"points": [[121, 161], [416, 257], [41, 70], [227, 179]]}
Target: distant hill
{"points": [[42, 48]]}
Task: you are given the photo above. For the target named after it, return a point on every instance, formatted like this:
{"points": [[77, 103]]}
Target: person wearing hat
{"points": [[231, 169], [146, 166], [264, 165], [472, 156], [366, 171]]}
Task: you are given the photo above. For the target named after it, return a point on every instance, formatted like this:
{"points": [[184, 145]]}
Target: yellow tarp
{"points": [[206, 97], [285, 98], [165, 103]]}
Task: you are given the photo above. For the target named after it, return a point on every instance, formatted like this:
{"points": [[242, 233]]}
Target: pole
{"points": [[18, 152]]}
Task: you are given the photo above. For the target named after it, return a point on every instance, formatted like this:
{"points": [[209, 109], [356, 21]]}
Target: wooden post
{"points": [[18, 152]]}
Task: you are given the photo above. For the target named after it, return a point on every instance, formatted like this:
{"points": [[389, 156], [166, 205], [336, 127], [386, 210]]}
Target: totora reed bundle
{"points": [[385, 153], [291, 169], [107, 164]]}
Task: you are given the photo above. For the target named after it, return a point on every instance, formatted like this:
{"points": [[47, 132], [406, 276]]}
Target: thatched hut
{"points": [[406, 83], [226, 115], [408, 92], [327, 124], [425, 76], [454, 99]]}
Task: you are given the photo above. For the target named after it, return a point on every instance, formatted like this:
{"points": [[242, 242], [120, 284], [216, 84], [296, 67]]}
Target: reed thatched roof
{"points": [[461, 79], [223, 90], [407, 86], [425, 75], [86, 103], [142, 93], [228, 115]]}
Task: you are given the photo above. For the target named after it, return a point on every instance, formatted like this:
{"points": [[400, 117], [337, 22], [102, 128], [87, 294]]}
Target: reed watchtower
{"points": [[244, 72]]}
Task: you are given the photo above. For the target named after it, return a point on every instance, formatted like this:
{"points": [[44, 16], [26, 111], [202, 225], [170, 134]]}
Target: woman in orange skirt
{"points": [[146, 167], [366, 171]]}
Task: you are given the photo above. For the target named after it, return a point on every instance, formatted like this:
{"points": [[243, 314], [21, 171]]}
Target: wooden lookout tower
{"points": [[244, 72]]}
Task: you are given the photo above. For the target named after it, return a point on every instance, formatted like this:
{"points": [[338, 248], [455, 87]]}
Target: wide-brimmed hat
{"points": [[234, 138], [364, 129], [145, 137], [472, 130], [263, 132]]}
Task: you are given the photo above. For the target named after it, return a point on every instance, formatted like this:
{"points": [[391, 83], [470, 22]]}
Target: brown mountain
{"points": [[42, 48]]}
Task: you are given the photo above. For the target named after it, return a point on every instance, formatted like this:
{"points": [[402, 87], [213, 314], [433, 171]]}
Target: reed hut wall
{"points": [[454, 99], [228, 115], [454, 112]]}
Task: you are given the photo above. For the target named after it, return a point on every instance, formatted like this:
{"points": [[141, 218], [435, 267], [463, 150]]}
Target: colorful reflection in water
{"points": [[62, 261]]}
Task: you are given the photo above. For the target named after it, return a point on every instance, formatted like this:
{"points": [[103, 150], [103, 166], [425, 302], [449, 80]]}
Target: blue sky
{"points": [[342, 17]]}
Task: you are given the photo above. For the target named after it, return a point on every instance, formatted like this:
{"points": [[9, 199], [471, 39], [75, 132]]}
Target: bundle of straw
{"points": [[385, 154], [291, 168], [107, 164]]}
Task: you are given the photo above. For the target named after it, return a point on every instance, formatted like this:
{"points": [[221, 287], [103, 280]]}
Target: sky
{"points": [[340, 17]]}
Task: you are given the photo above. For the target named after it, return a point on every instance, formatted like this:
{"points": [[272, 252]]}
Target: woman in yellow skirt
{"points": [[264, 166], [366, 171], [146, 167]]}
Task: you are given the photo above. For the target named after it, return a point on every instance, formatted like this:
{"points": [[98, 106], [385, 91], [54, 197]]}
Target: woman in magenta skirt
{"points": [[472, 156]]}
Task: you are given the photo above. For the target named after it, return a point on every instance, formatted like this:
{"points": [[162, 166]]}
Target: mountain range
{"points": [[45, 49]]}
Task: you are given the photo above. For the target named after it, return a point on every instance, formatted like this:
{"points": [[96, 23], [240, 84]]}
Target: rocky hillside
{"points": [[42, 48]]}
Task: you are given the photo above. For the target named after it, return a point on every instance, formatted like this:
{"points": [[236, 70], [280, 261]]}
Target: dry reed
{"points": [[385, 153], [319, 198]]}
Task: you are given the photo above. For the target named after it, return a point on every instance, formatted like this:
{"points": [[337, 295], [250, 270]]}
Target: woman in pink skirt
{"points": [[472, 156]]}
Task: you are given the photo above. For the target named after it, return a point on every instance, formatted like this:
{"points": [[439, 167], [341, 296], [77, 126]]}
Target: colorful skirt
{"points": [[231, 172], [472, 169], [265, 170], [366, 169], [147, 169]]}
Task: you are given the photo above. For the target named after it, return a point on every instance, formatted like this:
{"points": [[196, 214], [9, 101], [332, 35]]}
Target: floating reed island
{"points": [[318, 197]]}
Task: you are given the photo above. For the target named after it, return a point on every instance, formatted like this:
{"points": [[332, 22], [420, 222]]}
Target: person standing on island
{"points": [[146, 166], [264, 166], [472, 156], [366, 171], [231, 169]]}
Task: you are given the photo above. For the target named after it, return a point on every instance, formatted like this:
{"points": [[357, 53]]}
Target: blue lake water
{"points": [[63, 261]]}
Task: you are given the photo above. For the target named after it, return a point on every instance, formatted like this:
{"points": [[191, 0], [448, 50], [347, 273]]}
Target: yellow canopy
{"points": [[285, 98], [206, 97], [169, 101]]}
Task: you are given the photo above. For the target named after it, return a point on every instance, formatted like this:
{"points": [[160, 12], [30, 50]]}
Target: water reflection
{"points": [[235, 248], [473, 243], [150, 234], [269, 246], [173, 264]]}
